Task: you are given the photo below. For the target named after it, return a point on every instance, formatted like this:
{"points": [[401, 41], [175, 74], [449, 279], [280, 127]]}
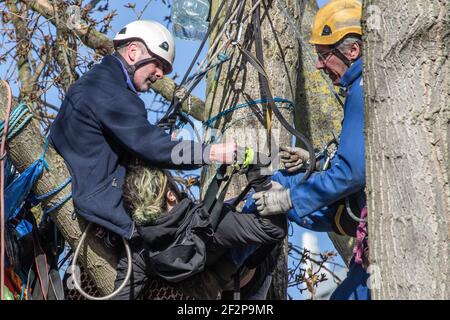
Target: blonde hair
{"points": [[144, 193]]}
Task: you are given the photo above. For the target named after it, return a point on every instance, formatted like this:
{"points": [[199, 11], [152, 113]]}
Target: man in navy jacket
{"points": [[102, 123]]}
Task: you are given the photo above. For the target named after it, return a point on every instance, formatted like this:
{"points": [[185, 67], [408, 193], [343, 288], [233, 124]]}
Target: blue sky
{"points": [[185, 52]]}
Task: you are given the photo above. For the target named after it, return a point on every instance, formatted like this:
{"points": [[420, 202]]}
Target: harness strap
{"points": [[40, 260], [213, 201], [258, 63]]}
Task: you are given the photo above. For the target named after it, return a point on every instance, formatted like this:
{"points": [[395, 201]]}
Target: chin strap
{"points": [[131, 68], [343, 58]]}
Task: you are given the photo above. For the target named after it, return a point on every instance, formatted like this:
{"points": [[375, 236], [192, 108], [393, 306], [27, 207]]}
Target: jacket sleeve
{"points": [[125, 119], [240, 229], [347, 172]]}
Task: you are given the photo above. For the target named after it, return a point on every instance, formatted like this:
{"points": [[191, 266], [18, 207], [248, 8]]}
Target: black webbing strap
{"points": [[213, 201], [258, 63], [46, 281], [40, 261]]}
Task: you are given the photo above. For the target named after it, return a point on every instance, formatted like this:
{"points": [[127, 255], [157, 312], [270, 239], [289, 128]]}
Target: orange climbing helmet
{"points": [[335, 20]]}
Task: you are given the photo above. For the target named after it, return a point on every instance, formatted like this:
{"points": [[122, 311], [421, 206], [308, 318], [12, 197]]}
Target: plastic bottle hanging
{"points": [[189, 18]]}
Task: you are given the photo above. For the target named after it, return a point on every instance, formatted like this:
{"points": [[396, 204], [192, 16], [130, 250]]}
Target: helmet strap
{"points": [[131, 68], [142, 63], [342, 57]]}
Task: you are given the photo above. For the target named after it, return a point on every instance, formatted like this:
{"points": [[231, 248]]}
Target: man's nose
{"points": [[159, 73]]}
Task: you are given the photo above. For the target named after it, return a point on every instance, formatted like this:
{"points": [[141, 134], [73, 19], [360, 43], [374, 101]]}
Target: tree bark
{"points": [[23, 150], [406, 77]]}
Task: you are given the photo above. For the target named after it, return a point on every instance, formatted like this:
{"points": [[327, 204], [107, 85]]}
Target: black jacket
{"points": [[101, 124]]}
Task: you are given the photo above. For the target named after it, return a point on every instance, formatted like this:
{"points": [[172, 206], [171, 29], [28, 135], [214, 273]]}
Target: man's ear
{"points": [[132, 51], [355, 51]]}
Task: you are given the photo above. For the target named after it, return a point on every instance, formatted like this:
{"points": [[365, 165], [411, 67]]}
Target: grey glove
{"points": [[294, 159], [273, 201]]}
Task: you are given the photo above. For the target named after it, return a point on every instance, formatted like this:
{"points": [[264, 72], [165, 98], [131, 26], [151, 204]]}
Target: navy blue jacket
{"points": [[102, 123]]}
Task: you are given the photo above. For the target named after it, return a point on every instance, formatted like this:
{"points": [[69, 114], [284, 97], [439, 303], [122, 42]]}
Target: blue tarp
{"points": [[18, 190]]}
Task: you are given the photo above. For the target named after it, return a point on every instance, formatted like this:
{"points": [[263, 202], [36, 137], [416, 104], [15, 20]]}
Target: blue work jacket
{"points": [[313, 201]]}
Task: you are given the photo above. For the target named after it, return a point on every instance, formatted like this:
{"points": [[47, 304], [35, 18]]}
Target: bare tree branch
{"points": [[22, 47]]}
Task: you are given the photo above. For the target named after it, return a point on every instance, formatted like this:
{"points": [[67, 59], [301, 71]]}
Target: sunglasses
{"points": [[325, 55]]}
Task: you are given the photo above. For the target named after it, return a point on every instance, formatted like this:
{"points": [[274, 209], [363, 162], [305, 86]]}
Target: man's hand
{"points": [[294, 159], [273, 201], [223, 153]]}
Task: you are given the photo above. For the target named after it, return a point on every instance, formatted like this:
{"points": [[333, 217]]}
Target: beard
{"points": [[146, 84]]}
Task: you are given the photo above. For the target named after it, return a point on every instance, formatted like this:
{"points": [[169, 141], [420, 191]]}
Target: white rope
{"points": [[75, 278]]}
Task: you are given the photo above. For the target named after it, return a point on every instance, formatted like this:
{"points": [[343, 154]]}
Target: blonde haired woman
{"points": [[176, 241]]}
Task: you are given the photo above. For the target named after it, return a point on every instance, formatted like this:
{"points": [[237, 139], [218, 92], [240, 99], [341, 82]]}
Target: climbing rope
{"points": [[209, 122], [258, 63], [75, 276], [17, 120]]}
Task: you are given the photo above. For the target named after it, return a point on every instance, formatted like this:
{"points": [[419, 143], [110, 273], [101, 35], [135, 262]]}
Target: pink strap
{"points": [[361, 232]]}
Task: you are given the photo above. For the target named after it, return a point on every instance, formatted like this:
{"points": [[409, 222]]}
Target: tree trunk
{"points": [[23, 150], [406, 76]]}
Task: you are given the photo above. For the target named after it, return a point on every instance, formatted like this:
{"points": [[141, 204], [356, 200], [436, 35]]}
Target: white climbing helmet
{"points": [[154, 35]]}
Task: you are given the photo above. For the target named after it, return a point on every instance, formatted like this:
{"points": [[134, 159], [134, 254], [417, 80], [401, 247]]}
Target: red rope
{"points": [[2, 191]]}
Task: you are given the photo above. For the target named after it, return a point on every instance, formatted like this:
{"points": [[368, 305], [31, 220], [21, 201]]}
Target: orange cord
{"points": [[2, 191]]}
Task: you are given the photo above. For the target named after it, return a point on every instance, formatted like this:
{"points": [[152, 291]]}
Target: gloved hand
{"points": [[276, 200], [294, 159]]}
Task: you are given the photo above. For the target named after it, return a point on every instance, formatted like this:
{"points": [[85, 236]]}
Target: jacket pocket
{"points": [[111, 181]]}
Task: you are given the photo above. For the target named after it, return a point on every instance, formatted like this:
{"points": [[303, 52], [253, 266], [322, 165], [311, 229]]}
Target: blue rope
{"points": [[19, 118], [209, 122], [54, 191], [222, 57], [56, 206], [43, 154]]}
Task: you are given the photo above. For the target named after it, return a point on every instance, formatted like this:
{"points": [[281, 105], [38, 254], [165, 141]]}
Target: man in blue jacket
{"points": [[329, 198], [103, 123]]}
